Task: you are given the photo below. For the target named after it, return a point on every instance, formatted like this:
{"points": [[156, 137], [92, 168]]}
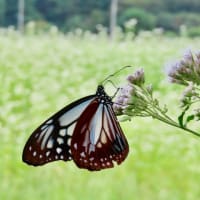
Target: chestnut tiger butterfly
{"points": [[86, 131]]}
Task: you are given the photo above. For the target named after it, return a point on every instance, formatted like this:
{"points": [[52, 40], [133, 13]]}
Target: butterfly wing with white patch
{"points": [[51, 140], [98, 140]]}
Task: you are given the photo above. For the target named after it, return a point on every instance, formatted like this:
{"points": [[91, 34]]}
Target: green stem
{"points": [[191, 131], [171, 122], [156, 112]]}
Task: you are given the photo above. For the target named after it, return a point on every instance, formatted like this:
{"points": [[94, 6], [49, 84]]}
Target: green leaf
{"points": [[180, 118], [189, 118]]}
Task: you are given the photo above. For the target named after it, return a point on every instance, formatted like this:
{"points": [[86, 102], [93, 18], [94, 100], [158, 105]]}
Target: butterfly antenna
{"points": [[117, 89], [114, 95], [111, 75]]}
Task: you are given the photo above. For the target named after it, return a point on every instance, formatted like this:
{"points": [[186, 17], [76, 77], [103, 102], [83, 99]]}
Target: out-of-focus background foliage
{"points": [[55, 51], [67, 15]]}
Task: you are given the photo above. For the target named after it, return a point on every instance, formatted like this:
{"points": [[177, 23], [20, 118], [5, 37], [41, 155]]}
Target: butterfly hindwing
{"points": [[51, 140], [98, 140]]}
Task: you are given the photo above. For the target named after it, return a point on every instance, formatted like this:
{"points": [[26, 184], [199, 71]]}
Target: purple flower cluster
{"points": [[131, 99], [186, 69], [137, 78], [123, 99]]}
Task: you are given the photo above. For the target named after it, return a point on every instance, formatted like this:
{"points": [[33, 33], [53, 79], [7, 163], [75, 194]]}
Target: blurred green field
{"points": [[41, 74]]}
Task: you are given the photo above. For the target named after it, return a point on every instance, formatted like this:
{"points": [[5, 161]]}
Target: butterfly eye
{"points": [[86, 131]]}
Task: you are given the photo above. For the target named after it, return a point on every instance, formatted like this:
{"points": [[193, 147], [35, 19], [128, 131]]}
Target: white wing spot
{"points": [[34, 153], [49, 121], [47, 153], [99, 145], [30, 148], [36, 135], [61, 157], [56, 157], [58, 150], [50, 144], [69, 141], [44, 127], [47, 133], [41, 156], [63, 132], [103, 137], [82, 154], [75, 146], [71, 129], [108, 163], [60, 140]]}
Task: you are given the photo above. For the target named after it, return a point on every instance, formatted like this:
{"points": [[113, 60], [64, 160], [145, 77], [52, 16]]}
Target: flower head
{"points": [[185, 70], [188, 57], [132, 99], [137, 78]]}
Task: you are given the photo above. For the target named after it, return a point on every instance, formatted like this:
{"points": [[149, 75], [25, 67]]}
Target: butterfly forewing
{"points": [[98, 140], [51, 140]]}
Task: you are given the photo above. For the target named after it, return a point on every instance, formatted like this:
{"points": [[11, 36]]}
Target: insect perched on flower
{"points": [[85, 131]]}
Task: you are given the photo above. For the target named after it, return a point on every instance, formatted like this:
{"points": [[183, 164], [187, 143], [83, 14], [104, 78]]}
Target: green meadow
{"points": [[41, 74]]}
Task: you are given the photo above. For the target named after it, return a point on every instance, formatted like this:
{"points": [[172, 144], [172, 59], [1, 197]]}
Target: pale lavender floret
{"points": [[137, 78], [171, 68], [188, 57], [120, 99], [139, 73], [197, 54], [127, 101], [182, 71], [123, 99], [197, 60], [130, 78], [126, 91]]}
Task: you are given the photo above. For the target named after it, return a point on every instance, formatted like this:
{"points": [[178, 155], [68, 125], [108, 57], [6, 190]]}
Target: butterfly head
{"points": [[102, 96]]}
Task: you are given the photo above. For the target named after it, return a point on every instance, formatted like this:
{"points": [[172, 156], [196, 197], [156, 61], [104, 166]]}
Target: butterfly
{"points": [[85, 131]]}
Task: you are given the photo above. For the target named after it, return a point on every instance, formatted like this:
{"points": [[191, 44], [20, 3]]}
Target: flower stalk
{"points": [[136, 99]]}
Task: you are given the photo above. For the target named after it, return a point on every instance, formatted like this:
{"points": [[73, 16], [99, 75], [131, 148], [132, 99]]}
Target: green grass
{"points": [[39, 75]]}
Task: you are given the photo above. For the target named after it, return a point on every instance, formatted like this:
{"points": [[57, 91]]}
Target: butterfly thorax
{"points": [[102, 96]]}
